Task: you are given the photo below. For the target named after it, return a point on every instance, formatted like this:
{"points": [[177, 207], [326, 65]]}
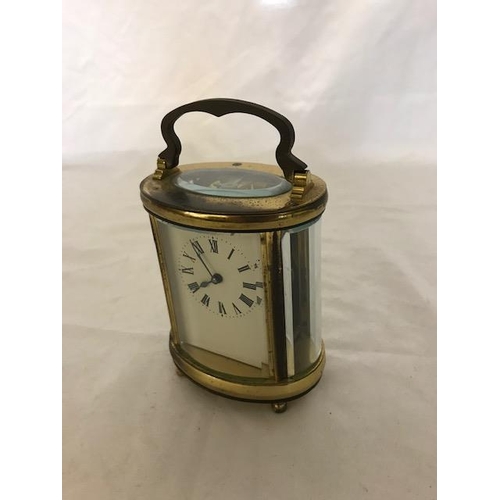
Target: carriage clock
{"points": [[239, 251]]}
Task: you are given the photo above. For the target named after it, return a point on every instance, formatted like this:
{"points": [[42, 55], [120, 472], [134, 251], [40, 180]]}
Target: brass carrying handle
{"points": [[169, 158]]}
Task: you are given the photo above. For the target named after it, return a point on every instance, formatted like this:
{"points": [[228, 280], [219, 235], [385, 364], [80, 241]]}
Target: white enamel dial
{"points": [[217, 289], [219, 275]]}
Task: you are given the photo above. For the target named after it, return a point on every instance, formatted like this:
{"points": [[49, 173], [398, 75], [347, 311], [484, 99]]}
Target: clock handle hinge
{"points": [[301, 183], [162, 169]]}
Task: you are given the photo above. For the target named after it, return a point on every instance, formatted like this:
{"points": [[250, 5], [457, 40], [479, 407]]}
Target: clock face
{"points": [[218, 292], [220, 276]]}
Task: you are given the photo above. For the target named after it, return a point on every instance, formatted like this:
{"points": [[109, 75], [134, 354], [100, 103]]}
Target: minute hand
{"points": [[202, 260], [206, 267]]}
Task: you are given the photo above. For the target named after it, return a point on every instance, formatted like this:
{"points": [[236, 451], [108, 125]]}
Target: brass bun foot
{"points": [[279, 407]]}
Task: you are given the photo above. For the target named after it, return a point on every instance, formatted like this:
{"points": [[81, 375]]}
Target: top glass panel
{"points": [[232, 183]]}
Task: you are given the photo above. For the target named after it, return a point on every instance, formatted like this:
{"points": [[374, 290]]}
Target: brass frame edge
{"points": [[266, 275], [287, 389], [235, 222]]}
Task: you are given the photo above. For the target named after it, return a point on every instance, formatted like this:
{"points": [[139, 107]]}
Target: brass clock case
{"points": [[279, 214]]}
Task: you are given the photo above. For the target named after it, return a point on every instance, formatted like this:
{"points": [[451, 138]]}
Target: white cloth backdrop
{"points": [[357, 79]]}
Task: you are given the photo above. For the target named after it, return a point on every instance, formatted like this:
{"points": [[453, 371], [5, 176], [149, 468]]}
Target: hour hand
{"points": [[216, 278]]}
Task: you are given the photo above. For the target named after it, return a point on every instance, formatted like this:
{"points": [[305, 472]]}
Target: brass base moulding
{"points": [[255, 390]]}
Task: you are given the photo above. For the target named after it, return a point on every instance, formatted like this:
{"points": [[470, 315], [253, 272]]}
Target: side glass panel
{"points": [[301, 279], [218, 295]]}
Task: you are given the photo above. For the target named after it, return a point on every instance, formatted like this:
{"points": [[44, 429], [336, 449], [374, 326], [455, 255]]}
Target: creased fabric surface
{"points": [[357, 80]]}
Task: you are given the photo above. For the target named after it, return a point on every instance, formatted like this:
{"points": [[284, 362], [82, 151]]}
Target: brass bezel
{"points": [[301, 204]]}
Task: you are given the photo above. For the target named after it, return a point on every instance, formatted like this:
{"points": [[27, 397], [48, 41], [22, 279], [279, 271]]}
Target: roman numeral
{"points": [[205, 300], [259, 300], [197, 247], [252, 286], [214, 246], [230, 254], [244, 268], [194, 287], [259, 284], [246, 300], [222, 309], [188, 256], [236, 308], [187, 270]]}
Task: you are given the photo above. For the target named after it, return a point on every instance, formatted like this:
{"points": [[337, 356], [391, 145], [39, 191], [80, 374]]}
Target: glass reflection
{"points": [[301, 280]]}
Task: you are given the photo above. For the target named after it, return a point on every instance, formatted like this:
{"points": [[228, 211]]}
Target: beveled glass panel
{"points": [[301, 280], [232, 182]]}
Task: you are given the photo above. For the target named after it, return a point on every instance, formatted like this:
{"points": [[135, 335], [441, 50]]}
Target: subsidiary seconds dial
{"points": [[219, 277]]}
